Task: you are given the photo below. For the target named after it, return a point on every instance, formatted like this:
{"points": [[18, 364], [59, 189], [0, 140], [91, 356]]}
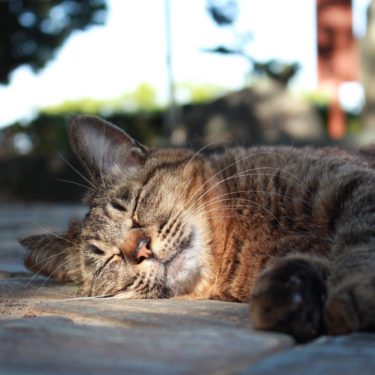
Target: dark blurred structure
{"points": [[31, 31], [262, 114], [338, 57]]}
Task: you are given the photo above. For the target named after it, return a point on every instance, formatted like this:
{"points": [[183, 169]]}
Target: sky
{"points": [[107, 61]]}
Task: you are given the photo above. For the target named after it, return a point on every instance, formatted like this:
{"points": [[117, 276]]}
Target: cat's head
{"points": [[144, 231]]}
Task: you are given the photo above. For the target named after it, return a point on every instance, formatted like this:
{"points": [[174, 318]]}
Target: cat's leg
{"points": [[351, 292], [289, 296], [351, 286]]}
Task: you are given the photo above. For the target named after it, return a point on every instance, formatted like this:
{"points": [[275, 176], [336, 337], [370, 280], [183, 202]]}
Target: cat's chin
{"points": [[183, 271]]}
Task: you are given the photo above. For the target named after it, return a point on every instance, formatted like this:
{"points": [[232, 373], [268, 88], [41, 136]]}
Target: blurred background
{"points": [[181, 73]]}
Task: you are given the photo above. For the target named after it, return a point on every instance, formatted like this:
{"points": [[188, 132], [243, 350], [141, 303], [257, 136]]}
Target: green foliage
{"points": [[145, 97], [142, 99], [31, 31], [84, 105], [317, 98], [199, 93]]}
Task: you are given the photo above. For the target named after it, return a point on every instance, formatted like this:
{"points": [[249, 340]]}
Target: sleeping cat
{"points": [[290, 230]]}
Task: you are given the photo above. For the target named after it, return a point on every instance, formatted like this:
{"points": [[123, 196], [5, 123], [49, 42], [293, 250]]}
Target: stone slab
{"points": [[151, 312], [346, 355], [49, 345], [46, 329], [19, 294]]}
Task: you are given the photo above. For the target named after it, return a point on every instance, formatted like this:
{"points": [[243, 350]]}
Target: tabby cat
{"points": [[290, 230]]}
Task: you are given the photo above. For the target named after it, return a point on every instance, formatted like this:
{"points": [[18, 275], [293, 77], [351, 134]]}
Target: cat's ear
{"points": [[52, 255], [104, 149]]}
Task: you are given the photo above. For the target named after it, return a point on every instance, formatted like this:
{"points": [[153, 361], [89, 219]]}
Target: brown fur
{"points": [[291, 229]]}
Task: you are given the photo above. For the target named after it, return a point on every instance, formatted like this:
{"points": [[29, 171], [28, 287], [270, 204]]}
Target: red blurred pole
{"points": [[338, 59], [336, 120]]}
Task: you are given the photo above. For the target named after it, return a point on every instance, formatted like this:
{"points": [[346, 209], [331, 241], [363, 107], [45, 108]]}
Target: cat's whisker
{"points": [[74, 183], [42, 265], [238, 174], [85, 298], [246, 206], [49, 277], [218, 198], [47, 231], [249, 203], [246, 173], [78, 172], [205, 210], [218, 173], [248, 156], [178, 198], [45, 261]]}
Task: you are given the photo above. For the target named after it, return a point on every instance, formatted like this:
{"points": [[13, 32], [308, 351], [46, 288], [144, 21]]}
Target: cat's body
{"points": [[291, 229]]}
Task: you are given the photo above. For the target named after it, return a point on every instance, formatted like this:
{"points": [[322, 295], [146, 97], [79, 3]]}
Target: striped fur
{"points": [[291, 229]]}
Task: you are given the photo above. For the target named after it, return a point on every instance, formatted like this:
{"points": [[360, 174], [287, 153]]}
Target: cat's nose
{"points": [[143, 250], [137, 247]]}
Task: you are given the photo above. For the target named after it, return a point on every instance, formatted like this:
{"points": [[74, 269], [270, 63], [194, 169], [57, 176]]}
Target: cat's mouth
{"points": [[182, 268], [182, 247]]}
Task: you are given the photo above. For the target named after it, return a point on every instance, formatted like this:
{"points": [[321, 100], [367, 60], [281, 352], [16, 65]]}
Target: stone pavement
{"points": [[46, 329]]}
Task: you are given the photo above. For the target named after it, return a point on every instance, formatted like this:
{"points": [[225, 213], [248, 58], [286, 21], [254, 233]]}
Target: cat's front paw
{"points": [[351, 306], [289, 297]]}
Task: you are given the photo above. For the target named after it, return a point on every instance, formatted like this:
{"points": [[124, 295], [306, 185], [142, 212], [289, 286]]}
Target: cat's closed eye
{"points": [[117, 206], [95, 250], [135, 224]]}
